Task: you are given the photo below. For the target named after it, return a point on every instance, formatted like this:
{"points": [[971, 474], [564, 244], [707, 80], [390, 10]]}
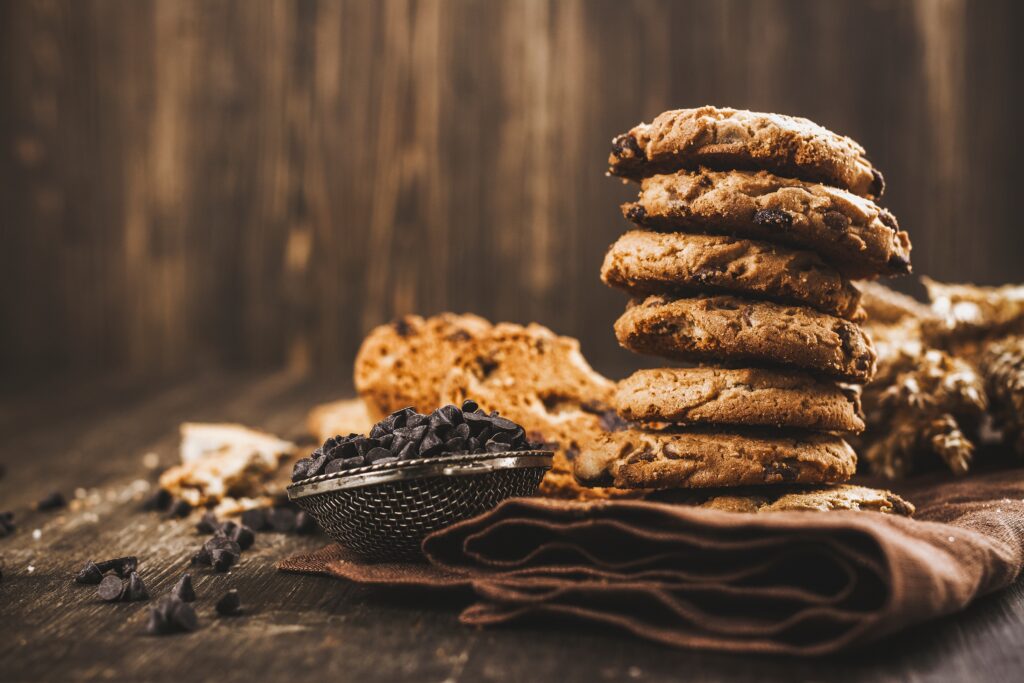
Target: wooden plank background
{"points": [[254, 183]]}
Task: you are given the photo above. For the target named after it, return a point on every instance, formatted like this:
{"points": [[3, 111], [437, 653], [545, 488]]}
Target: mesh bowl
{"points": [[383, 512]]}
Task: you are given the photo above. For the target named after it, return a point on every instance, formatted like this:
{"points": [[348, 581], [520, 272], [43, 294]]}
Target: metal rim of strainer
{"points": [[420, 468]]}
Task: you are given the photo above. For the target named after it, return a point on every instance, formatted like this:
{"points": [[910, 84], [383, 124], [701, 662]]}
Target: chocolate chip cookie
{"points": [[643, 262], [743, 396], [739, 139], [855, 235], [734, 330], [786, 498], [714, 456]]}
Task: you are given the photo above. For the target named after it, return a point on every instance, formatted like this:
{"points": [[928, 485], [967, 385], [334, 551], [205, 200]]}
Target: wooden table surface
{"points": [[93, 436]]}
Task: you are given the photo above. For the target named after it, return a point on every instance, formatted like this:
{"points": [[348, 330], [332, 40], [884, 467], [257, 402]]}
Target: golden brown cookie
{"points": [[855, 235], [643, 262], [737, 139], [743, 396], [734, 330], [714, 456], [790, 498]]}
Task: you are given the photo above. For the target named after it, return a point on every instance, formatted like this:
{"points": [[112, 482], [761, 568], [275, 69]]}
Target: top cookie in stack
{"points": [[750, 228]]}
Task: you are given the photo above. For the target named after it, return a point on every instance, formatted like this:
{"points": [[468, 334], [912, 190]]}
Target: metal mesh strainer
{"points": [[384, 511]]}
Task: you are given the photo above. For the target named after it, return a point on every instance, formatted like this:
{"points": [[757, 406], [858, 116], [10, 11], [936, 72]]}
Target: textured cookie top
{"points": [[742, 396], [738, 139], [861, 239], [643, 262], [714, 456], [818, 499], [740, 331]]}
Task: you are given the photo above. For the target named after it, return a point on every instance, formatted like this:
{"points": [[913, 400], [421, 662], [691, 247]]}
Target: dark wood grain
{"points": [[309, 628], [228, 183]]}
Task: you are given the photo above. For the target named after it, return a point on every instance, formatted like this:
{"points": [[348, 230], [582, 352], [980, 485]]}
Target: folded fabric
{"points": [[789, 582]]}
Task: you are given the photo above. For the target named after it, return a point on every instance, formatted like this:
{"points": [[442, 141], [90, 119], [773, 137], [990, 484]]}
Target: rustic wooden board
{"points": [[187, 183], [310, 628]]}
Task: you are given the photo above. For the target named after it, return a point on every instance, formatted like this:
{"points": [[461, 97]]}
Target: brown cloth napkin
{"points": [[789, 582]]}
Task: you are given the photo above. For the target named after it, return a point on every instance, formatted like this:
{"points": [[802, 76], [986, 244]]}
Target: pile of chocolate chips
{"points": [[7, 525], [118, 579], [408, 435]]}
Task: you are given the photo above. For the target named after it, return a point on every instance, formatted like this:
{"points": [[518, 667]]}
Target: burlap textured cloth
{"points": [[790, 582]]}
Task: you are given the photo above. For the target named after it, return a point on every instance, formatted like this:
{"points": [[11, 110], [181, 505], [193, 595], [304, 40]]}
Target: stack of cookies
{"points": [[749, 230]]}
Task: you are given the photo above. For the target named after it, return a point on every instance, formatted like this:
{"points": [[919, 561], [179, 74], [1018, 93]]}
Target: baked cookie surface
{"points": [[736, 138], [642, 262], [714, 456], [743, 396], [801, 498], [855, 235], [733, 330]]}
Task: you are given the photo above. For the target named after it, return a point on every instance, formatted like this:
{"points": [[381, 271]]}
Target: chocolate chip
{"points": [[898, 264], [221, 542], [625, 146], [888, 220], [454, 445], [836, 221], [337, 465], [376, 454], [877, 183], [610, 421], [208, 523], [301, 468], [316, 467], [171, 615], [201, 557], [222, 559], [180, 508], [52, 501], [281, 519], [773, 218], [409, 451], [136, 589], [398, 418], [160, 501], [111, 588], [230, 604], [431, 445], [255, 519], [461, 431], [349, 463], [184, 590], [90, 574], [402, 327], [379, 430], [469, 406], [122, 566], [243, 536], [7, 525], [636, 213]]}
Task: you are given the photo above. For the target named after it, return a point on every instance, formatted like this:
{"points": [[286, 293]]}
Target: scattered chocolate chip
{"points": [[160, 501], [7, 525], [90, 574], [136, 589], [469, 406], [773, 218], [243, 536], [230, 604], [281, 519], [223, 559], [171, 615], [201, 557], [402, 327], [111, 588], [208, 523], [52, 501], [122, 566], [183, 590], [255, 519], [180, 508]]}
